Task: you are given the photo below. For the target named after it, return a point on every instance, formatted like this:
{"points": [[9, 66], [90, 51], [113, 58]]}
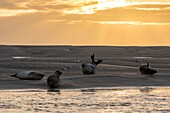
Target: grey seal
{"points": [[146, 69], [29, 75], [53, 80], [89, 68]]}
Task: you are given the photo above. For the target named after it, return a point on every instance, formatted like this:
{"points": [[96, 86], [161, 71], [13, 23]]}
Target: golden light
{"points": [[100, 5], [106, 4], [12, 12]]}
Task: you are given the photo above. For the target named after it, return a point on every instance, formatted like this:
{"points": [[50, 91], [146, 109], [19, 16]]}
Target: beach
{"points": [[120, 66], [117, 85]]}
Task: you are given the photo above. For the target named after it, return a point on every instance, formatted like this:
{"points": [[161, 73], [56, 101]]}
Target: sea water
{"points": [[88, 100]]}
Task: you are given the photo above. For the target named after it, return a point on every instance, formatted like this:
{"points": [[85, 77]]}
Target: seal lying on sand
{"points": [[29, 75], [53, 80], [90, 67], [146, 69]]}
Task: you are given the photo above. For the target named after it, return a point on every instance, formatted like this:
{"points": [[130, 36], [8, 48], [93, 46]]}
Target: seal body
{"points": [[53, 80], [29, 75], [146, 69], [88, 68]]}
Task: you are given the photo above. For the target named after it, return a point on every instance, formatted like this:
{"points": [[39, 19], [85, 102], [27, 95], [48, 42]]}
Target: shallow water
{"points": [[143, 57], [156, 100], [20, 57]]}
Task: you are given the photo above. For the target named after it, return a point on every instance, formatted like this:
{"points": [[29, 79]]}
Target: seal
{"points": [[53, 80], [146, 69], [89, 68], [29, 75]]}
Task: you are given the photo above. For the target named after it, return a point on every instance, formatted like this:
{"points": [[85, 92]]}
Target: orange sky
{"points": [[85, 22]]}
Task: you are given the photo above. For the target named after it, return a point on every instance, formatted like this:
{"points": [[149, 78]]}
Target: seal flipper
{"points": [[15, 75]]}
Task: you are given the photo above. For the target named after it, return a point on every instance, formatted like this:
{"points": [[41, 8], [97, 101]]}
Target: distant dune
{"points": [[119, 68]]}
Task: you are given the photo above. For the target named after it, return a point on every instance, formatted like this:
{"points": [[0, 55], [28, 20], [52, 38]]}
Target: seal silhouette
{"points": [[146, 69], [53, 80], [29, 75], [89, 68]]}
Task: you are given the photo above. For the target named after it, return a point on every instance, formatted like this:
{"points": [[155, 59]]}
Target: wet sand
{"points": [[119, 68]]}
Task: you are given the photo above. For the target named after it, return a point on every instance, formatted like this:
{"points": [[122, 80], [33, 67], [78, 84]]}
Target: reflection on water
{"points": [[86, 100], [143, 57], [19, 57]]}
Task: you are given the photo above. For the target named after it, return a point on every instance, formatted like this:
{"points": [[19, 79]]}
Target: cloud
{"points": [[8, 13], [137, 23], [130, 23], [34, 28], [151, 13], [71, 10], [94, 6], [100, 10], [46, 22], [6, 4], [150, 7]]}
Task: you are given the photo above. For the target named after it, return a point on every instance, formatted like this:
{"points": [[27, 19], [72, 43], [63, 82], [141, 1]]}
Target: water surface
{"points": [[91, 100]]}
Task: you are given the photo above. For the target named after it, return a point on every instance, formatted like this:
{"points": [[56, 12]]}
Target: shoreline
{"points": [[92, 89], [61, 45]]}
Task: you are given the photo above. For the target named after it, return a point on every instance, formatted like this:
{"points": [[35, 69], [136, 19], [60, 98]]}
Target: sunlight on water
{"points": [[143, 57], [86, 100], [19, 57]]}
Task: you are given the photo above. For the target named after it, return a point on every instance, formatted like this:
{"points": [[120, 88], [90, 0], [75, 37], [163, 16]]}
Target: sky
{"points": [[85, 22]]}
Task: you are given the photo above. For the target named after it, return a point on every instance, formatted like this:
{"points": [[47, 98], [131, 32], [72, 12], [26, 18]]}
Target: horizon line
{"points": [[87, 45]]}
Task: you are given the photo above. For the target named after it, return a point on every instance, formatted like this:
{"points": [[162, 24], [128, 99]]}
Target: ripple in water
{"points": [[19, 57], [91, 101], [143, 57]]}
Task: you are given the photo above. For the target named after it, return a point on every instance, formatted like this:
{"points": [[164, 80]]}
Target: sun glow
{"points": [[106, 4], [100, 5]]}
